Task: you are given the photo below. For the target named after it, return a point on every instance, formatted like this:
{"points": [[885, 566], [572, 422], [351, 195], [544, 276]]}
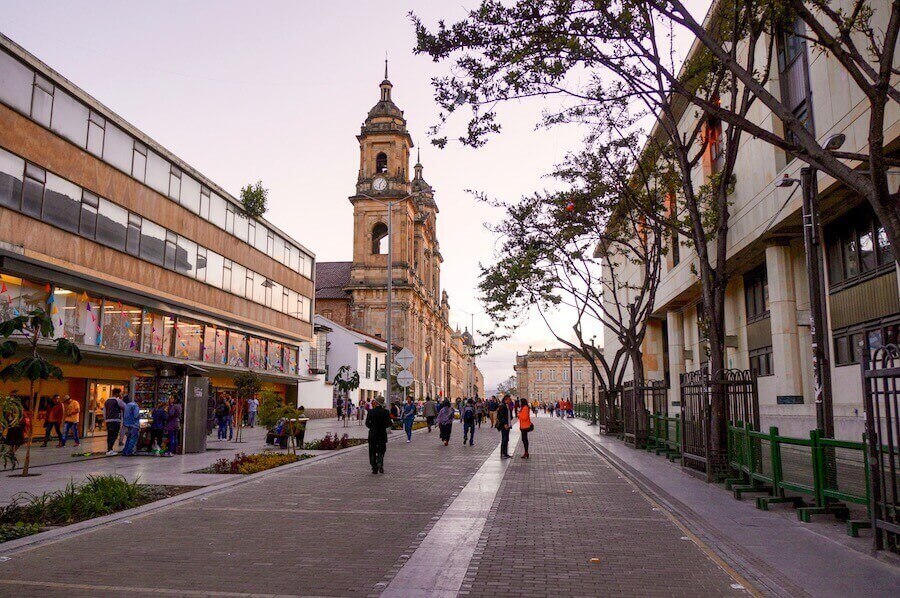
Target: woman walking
{"points": [[445, 421], [525, 425], [409, 415]]}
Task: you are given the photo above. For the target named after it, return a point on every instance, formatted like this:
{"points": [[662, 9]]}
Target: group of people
{"points": [[502, 413], [561, 408], [223, 412]]}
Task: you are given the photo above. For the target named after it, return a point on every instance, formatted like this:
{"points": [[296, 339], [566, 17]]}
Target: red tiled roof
{"points": [[331, 278]]}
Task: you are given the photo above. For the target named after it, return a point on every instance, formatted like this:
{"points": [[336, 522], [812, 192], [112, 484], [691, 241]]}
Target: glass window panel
{"points": [[866, 250], [273, 357], [189, 340], [154, 333], [851, 264], [175, 184], [16, 81], [238, 280], [217, 210], [18, 296], [295, 260], [204, 204], [158, 170], [835, 262], [153, 242], [12, 170], [133, 239], [279, 249], [76, 316], [190, 194], [251, 232], [220, 349], [259, 288], [257, 353], [112, 223], [42, 104], [62, 203], [251, 286], [139, 163], [275, 297], [209, 344], [215, 265], [237, 349], [95, 138], [121, 326], [304, 308], [262, 238], [842, 350], [118, 147], [874, 339], [33, 196], [291, 358], [88, 226], [229, 219], [885, 251], [168, 341], [240, 226], [855, 346], [70, 118], [186, 257]]}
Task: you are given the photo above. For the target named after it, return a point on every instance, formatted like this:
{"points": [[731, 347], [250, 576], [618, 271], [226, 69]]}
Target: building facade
{"points": [[354, 293], [144, 262], [547, 376], [768, 299]]}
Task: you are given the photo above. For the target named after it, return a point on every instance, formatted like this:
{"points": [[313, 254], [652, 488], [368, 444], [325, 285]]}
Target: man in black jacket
{"points": [[503, 424], [378, 420]]}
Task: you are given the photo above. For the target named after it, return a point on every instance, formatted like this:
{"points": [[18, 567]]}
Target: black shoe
{"points": [[374, 471], [381, 470]]}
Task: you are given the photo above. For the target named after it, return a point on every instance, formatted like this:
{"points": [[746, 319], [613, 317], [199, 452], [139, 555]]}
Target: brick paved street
{"points": [[331, 528]]}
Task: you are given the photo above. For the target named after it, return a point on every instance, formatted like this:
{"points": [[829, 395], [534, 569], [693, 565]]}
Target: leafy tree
{"points": [[508, 386], [347, 379], [11, 415], [36, 326], [248, 385], [273, 409], [255, 199]]}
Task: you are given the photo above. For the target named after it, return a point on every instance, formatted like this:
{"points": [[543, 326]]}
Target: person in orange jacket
{"points": [[525, 425]]}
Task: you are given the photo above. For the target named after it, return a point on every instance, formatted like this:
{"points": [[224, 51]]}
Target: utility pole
{"points": [[571, 379], [812, 242]]}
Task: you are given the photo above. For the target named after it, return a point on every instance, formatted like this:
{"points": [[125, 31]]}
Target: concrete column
{"points": [[783, 312], [675, 331]]}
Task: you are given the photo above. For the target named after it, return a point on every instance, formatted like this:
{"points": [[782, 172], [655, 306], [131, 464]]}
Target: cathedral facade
{"points": [[354, 293]]}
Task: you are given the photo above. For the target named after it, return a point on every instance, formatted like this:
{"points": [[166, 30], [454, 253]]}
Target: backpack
{"points": [[469, 414]]}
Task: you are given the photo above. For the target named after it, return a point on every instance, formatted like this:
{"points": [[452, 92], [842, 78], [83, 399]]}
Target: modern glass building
{"points": [[139, 258]]}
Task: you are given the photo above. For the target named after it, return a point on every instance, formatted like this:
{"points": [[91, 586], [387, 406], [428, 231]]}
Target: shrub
{"points": [[17, 530], [244, 464], [331, 442]]}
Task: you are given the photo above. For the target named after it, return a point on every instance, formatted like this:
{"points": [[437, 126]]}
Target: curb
{"points": [[757, 577], [7, 549]]}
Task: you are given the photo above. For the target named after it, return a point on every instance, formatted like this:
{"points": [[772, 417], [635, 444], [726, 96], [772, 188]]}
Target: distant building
{"points": [[353, 293], [545, 375]]}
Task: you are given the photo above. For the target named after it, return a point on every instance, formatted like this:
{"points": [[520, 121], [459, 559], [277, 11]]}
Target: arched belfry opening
{"points": [[379, 239], [381, 166]]}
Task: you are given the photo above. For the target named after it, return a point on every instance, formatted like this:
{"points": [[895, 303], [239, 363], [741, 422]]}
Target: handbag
{"points": [[530, 428]]}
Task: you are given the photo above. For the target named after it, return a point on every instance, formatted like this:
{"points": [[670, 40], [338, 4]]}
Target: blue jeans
{"points": [[407, 426], [251, 418], [469, 430], [172, 447], [131, 439], [230, 419], [223, 427], [70, 427]]}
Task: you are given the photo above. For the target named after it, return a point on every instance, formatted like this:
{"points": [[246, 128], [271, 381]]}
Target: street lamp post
{"points": [[571, 379], [380, 184], [593, 398]]}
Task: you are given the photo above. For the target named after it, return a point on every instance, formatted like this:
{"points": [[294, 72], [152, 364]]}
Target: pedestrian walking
{"points": [[378, 421], [113, 408], [492, 406], [503, 424], [445, 421], [468, 419], [525, 424], [131, 420], [229, 420], [173, 427], [409, 416], [53, 420], [479, 412], [430, 412], [252, 410], [71, 417], [222, 419]]}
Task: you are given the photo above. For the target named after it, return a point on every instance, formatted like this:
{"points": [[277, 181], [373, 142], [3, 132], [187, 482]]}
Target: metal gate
{"points": [[610, 412], [635, 416], [741, 404], [881, 396]]}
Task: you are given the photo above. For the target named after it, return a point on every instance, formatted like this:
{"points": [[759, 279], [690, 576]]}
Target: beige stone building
{"points": [[547, 376], [767, 298], [354, 293]]}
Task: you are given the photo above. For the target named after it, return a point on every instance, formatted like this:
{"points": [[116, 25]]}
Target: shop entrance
{"points": [[98, 392]]}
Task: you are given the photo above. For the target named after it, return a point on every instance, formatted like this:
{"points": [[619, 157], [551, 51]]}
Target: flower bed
{"points": [[245, 464], [97, 496], [331, 442]]}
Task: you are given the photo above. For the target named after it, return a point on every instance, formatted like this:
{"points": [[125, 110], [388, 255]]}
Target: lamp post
{"points": [[571, 380], [380, 184], [593, 388], [470, 372]]}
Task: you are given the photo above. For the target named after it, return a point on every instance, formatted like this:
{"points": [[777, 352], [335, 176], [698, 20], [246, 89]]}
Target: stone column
{"points": [[783, 312], [675, 331]]}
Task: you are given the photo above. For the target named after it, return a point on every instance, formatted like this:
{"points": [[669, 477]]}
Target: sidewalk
{"points": [[59, 466], [772, 549]]}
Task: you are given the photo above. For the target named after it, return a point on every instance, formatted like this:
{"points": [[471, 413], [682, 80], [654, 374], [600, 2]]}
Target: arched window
{"points": [[379, 238], [381, 163]]}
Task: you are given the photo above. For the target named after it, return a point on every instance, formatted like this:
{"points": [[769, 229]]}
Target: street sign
{"points": [[405, 378], [405, 358]]}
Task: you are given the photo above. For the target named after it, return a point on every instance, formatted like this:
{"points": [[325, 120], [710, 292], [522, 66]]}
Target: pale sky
{"points": [[276, 90]]}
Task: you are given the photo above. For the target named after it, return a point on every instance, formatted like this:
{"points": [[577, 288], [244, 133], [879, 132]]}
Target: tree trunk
{"points": [[718, 420]]}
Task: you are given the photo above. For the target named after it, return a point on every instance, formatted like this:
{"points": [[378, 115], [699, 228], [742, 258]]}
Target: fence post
{"points": [[775, 448], [818, 468]]}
